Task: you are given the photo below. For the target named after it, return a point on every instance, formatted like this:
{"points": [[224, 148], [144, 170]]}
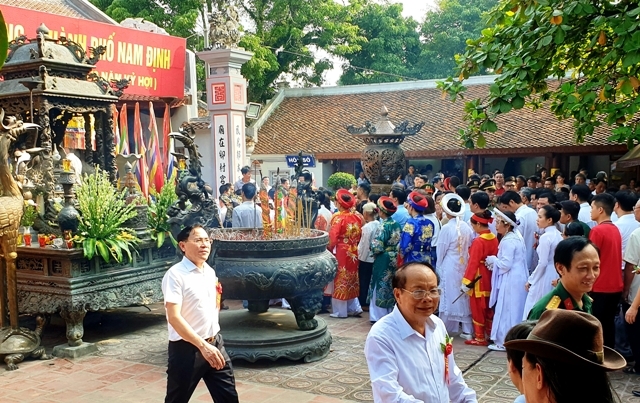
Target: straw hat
{"points": [[571, 337]]}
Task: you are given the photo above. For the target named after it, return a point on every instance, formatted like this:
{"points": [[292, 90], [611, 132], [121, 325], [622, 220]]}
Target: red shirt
{"points": [[607, 238], [486, 244], [500, 192]]}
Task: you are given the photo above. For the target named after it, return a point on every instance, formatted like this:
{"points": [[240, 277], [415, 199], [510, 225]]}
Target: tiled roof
{"points": [[59, 7], [316, 124]]}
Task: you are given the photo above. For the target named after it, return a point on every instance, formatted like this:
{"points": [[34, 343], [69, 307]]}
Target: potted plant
{"points": [[29, 215], [341, 180], [158, 208], [103, 211]]}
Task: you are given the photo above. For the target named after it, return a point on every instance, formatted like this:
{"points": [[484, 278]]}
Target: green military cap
{"points": [[489, 184], [473, 184]]}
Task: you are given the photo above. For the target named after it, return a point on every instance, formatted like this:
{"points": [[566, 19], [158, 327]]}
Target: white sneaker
{"points": [[466, 336], [355, 313], [336, 315], [496, 347]]}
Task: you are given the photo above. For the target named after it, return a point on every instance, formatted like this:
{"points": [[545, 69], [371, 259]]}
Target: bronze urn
{"points": [[382, 159]]}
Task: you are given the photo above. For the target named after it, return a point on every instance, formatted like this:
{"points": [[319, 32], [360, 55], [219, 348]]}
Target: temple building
{"points": [[314, 121]]}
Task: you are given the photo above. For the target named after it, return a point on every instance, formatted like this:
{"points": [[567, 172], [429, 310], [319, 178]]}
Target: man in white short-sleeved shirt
{"points": [[404, 349], [196, 349]]}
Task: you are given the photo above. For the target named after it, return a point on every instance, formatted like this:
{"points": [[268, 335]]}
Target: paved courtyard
{"points": [[131, 362]]}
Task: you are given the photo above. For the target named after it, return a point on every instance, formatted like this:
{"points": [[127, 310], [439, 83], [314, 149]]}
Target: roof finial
{"points": [[43, 30], [384, 111]]}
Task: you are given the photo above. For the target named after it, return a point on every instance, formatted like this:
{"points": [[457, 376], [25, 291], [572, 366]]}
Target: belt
{"points": [[210, 340]]}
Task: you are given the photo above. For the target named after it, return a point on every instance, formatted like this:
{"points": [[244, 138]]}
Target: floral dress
{"points": [[344, 236], [415, 241], [385, 251]]}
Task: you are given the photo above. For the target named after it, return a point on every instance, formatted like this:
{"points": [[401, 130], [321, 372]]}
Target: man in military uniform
{"points": [[489, 187], [474, 185], [577, 261]]}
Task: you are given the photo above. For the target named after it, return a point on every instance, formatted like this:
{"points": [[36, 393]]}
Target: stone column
{"points": [[227, 104]]}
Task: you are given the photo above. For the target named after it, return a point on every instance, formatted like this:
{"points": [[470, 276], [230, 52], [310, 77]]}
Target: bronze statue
{"points": [[15, 342]]}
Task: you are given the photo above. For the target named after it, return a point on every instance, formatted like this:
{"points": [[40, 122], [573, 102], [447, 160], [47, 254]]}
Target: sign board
{"points": [[309, 161], [153, 62]]}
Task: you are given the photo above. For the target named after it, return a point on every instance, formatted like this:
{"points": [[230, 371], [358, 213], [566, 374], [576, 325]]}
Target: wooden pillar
{"points": [[472, 163]]}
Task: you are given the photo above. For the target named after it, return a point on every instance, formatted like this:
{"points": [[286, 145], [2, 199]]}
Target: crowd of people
{"points": [[505, 250]]}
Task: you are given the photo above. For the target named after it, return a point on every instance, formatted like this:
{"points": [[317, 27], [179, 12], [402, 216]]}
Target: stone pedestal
{"points": [[227, 103], [271, 335], [67, 351]]}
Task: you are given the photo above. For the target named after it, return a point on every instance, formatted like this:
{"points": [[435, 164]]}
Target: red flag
{"points": [[138, 138], [156, 172], [169, 164], [123, 145]]}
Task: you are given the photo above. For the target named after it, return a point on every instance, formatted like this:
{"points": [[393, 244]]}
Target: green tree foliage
{"points": [[591, 48], [392, 45], [283, 35], [445, 31], [177, 17]]}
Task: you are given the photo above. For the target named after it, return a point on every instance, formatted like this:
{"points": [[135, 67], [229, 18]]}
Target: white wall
{"points": [[271, 163]]}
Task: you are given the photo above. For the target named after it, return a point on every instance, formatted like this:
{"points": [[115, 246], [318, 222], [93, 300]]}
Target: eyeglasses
{"points": [[421, 294], [201, 241]]}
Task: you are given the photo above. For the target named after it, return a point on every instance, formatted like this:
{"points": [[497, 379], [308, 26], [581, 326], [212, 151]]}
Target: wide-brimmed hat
{"points": [[345, 199], [571, 337], [445, 201], [387, 205], [419, 205]]}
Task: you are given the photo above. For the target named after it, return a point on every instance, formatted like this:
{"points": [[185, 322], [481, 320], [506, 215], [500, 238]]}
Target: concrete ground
{"points": [[131, 362]]}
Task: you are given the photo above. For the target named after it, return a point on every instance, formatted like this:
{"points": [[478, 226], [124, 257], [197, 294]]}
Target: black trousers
{"points": [[605, 308], [365, 270], [633, 336], [186, 368]]}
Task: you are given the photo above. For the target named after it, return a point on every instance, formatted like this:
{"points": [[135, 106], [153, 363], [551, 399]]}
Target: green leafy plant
{"points": [[158, 218], [103, 211], [341, 180], [29, 215]]}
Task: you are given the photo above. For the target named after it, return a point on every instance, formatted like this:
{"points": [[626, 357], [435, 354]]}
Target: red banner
{"points": [[153, 62]]}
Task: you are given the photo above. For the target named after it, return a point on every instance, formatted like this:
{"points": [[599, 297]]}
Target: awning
{"points": [[630, 159]]}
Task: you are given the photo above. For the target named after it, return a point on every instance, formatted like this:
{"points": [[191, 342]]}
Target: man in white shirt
{"points": [[527, 220], [403, 349], [246, 178], [192, 299], [582, 194], [247, 214], [626, 223]]}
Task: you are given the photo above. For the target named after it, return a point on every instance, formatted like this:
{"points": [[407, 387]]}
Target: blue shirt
{"points": [[401, 216]]}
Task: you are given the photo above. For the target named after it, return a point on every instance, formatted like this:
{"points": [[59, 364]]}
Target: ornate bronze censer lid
{"points": [[382, 159]]}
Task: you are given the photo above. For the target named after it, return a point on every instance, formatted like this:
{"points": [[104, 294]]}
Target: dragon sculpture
{"points": [[12, 338], [195, 204]]}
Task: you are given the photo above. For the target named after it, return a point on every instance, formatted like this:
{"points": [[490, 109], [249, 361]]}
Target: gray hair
{"points": [[526, 192]]}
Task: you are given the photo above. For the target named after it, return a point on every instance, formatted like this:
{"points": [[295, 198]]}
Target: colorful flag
{"points": [[156, 172], [115, 129], [169, 161], [140, 148], [123, 146]]}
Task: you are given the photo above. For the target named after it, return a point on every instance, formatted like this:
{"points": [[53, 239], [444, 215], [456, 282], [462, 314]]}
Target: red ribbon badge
{"points": [[447, 348]]}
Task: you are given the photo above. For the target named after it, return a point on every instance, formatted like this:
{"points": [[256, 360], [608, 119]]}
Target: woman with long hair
{"points": [[477, 277], [541, 278], [565, 360], [509, 271], [385, 249]]}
